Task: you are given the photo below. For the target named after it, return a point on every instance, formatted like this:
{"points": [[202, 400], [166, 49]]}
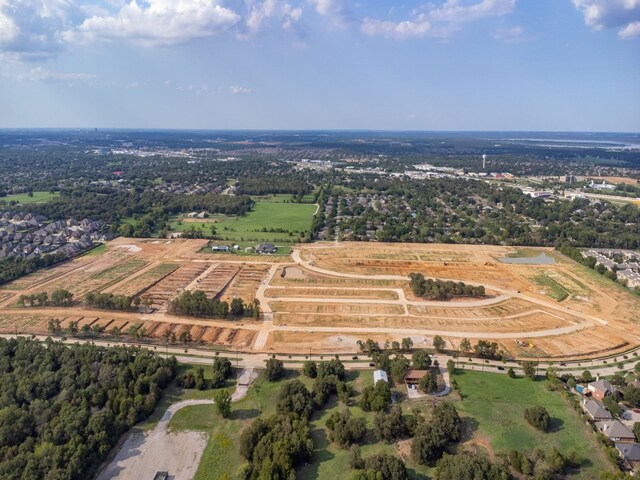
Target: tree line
{"points": [[195, 303], [442, 290], [63, 408]]}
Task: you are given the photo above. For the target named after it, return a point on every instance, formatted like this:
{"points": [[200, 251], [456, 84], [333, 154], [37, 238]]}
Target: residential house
{"points": [[266, 249], [630, 453], [600, 389], [413, 377], [595, 410], [616, 431]]}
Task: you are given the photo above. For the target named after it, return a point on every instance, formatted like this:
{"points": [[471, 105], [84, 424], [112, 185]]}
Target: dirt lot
{"points": [[327, 296], [144, 454]]}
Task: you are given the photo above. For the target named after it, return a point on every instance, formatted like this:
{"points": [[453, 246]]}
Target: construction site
{"points": [[327, 296]]}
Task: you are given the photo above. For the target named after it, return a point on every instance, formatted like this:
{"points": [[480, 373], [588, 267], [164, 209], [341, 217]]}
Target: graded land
{"points": [[326, 296]]}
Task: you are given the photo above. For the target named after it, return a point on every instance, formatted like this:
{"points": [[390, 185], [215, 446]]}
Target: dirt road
{"points": [[144, 454]]}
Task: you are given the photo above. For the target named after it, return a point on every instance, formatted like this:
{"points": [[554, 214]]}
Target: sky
{"points": [[528, 65]]}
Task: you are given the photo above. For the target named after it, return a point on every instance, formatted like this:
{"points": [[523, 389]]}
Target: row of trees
{"points": [[59, 298], [111, 301], [440, 289], [63, 408], [195, 303]]}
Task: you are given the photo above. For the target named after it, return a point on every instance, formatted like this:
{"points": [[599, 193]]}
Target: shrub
{"points": [[538, 417]]}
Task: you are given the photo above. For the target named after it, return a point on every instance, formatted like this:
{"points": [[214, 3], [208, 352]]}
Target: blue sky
{"points": [[321, 64]]}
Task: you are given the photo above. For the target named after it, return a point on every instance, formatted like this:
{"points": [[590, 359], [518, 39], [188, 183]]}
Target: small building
{"points": [[596, 410], [616, 431], [266, 249], [630, 453], [220, 248], [161, 476], [380, 375], [600, 389], [413, 377]]}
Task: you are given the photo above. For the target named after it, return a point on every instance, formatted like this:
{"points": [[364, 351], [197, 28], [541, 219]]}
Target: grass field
{"points": [[497, 403], [38, 197], [222, 460], [291, 219], [553, 288]]}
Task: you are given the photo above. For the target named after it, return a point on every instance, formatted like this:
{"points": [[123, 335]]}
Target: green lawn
{"points": [[497, 403], [38, 197], [269, 213]]}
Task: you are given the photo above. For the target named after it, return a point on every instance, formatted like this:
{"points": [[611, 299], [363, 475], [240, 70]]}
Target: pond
{"points": [[542, 259]]}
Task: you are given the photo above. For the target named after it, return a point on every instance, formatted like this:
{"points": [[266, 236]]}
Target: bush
{"points": [[538, 417], [345, 430], [274, 370], [294, 398], [221, 371], [428, 383], [223, 403], [511, 373], [421, 360], [310, 369], [468, 467], [390, 426], [376, 398]]}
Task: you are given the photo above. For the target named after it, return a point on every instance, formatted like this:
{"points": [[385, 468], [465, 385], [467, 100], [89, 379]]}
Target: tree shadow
{"points": [[555, 425], [244, 414], [321, 454], [469, 426]]}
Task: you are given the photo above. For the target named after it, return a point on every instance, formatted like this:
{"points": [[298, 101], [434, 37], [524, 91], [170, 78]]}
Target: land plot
{"points": [[355, 309], [246, 282], [217, 279], [135, 285], [497, 403], [169, 286], [331, 292], [47, 274]]}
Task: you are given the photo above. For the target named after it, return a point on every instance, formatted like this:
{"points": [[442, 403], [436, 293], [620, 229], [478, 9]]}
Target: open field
{"points": [[497, 403], [38, 197], [327, 296], [271, 220]]}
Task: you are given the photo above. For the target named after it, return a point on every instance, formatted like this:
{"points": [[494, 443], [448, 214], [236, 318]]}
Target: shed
{"points": [[380, 375]]}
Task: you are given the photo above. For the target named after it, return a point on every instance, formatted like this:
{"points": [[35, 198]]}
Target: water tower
{"points": [[484, 161]]}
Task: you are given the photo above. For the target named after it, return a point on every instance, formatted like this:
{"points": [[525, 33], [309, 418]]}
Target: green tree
{"points": [[223, 403], [538, 417], [421, 360], [438, 343]]}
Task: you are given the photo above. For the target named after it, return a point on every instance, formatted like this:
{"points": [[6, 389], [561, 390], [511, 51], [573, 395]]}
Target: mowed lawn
{"points": [[38, 197], [497, 403], [268, 213]]}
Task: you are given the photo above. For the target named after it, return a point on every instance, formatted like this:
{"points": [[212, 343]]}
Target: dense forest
{"points": [[62, 408]]}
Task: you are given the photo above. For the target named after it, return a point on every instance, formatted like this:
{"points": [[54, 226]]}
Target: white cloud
{"points": [[238, 90], [630, 31], [453, 12], [436, 21], [40, 74], [157, 22], [419, 27], [604, 14], [336, 10], [510, 35], [259, 13], [29, 29]]}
